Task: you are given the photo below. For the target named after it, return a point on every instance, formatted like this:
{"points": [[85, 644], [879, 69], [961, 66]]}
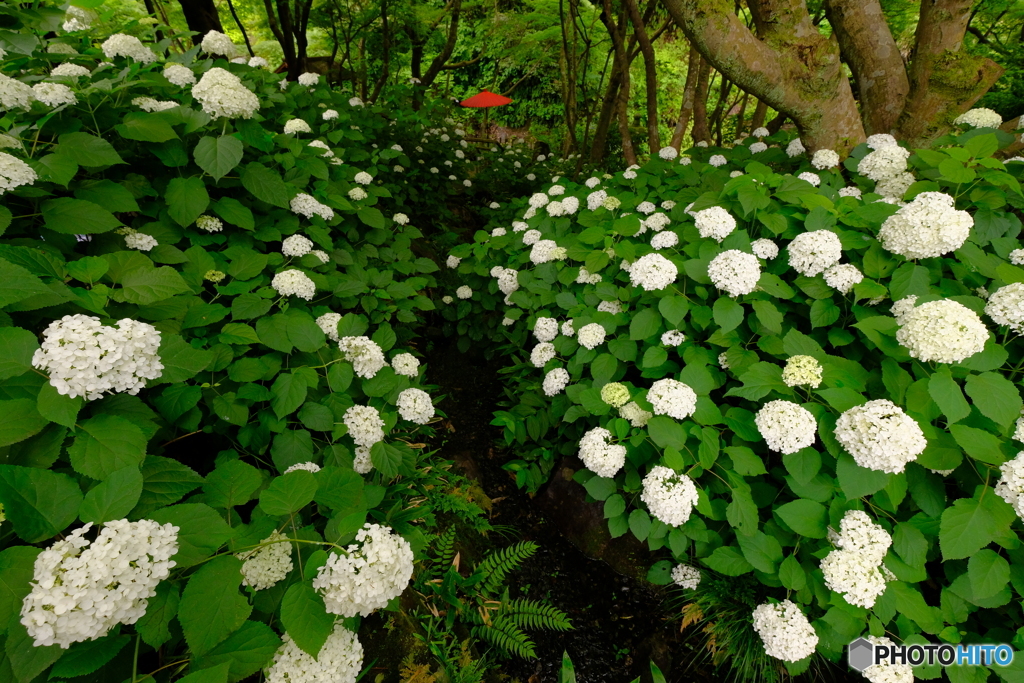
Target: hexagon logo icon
{"points": [[860, 654]]}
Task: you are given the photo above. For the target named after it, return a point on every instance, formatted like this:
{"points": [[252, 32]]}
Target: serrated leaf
{"points": [[39, 503], [728, 560], [187, 199], [17, 567], [287, 393], [106, 443], [25, 659], [164, 481], [77, 217], [339, 489], [947, 395], [87, 150], [56, 407], [113, 498], [995, 396], [305, 618], [791, 574], [640, 524], [144, 286], [218, 156], [19, 345], [988, 572], [86, 657], [761, 550], [857, 481], [211, 605], [979, 444], [266, 185], [966, 528], [181, 361], [232, 483], [154, 626], [19, 284], [246, 651], [288, 493], [805, 517], [201, 531]]}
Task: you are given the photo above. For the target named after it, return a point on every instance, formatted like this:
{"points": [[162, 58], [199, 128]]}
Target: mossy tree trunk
{"points": [[689, 90], [788, 64]]}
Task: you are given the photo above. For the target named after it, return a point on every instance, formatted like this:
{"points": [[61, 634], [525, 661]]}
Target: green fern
{"points": [[496, 566], [504, 634], [444, 552], [533, 614]]}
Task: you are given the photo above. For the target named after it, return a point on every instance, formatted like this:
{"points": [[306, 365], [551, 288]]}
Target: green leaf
{"points": [[233, 483], [187, 199], [955, 172], [181, 361], [87, 150], [211, 606], [805, 517], [966, 528], [57, 408], [824, 312], [201, 531], [759, 380], [144, 286], [761, 550], [19, 345], [25, 659], [745, 461], [39, 503], [909, 279], [947, 395], [305, 618], [218, 156], [154, 626], [666, 432], [339, 489], [742, 513], [674, 308], [996, 397], [288, 493], [86, 657], [386, 458], [215, 674], [654, 357], [988, 572], [146, 128], [266, 185], [21, 419], [640, 524], [910, 603], [246, 651], [249, 306], [106, 443], [371, 216], [910, 544], [234, 212], [165, 481], [979, 444], [857, 481], [316, 417], [17, 567], [728, 313], [792, 575], [19, 284], [644, 324], [77, 216], [768, 316], [113, 498], [729, 561], [176, 400]]}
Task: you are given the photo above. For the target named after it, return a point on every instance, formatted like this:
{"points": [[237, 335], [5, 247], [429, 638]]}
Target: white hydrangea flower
{"points": [[264, 566], [570, 205], [802, 370], [81, 590], [854, 568], [1010, 486], [718, 160], [656, 222], [545, 329], [928, 226], [885, 162], [636, 415], [901, 309], [330, 115], [629, 175], [785, 631], [216, 43], [735, 272], [811, 253], [365, 425], [672, 338], [653, 272], [764, 249], [723, 360], [362, 462], [305, 205], [258, 62], [786, 426], [886, 672], [121, 45], [406, 364], [843, 277], [544, 251], [309, 79], [668, 153], [591, 336], [596, 199], [14, 173], [373, 570], [736, 174], [795, 148], [294, 283], [944, 331], [880, 436], [613, 307], [69, 70], [567, 329], [86, 358], [365, 355], [592, 182], [615, 394], [668, 495], [665, 240], [555, 381], [328, 322], [78, 19], [340, 660], [979, 117], [133, 239], [894, 187], [296, 126], [599, 456], [464, 292], [296, 245], [415, 405], [322, 255], [702, 143], [824, 159], [1006, 306], [880, 140], [54, 94], [714, 222], [357, 194], [355, 102], [758, 147], [209, 223], [812, 178], [850, 191], [221, 93], [542, 353], [685, 576], [761, 132], [673, 398], [151, 105]]}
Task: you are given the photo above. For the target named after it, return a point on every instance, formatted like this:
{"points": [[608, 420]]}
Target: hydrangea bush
{"points": [[813, 381]]}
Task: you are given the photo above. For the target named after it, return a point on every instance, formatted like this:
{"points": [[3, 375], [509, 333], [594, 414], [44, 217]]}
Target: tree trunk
{"points": [[567, 66], [944, 80], [700, 104], [693, 65], [201, 17], [870, 51], [622, 100], [792, 66], [446, 52], [650, 75], [760, 112], [719, 112], [604, 119]]}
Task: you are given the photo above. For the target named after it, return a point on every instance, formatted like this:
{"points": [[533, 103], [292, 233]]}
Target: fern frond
{"points": [[533, 614], [444, 552], [507, 637], [496, 566]]}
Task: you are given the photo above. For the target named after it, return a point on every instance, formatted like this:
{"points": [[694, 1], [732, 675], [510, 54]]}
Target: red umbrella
{"points": [[486, 99]]}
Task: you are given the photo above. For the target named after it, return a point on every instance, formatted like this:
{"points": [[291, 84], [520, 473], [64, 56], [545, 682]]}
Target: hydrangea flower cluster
{"points": [[714, 222], [812, 253], [669, 496], [653, 272], [795, 148], [294, 283], [944, 331], [1006, 306], [372, 571], [221, 93], [545, 329], [636, 415], [979, 117], [928, 226], [785, 631], [415, 405], [305, 205], [54, 94], [80, 590], [1010, 486], [365, 425], [615, 394], [786, 426], [886, 672], [685, 576], [406, 364], [764, 249], [672, 338], [673, 398], [179, 74], [307, 466], [600, 456], [541, 354], [843, 277], [854, 568], [884, 162], [296, 245], [735, 272], [365, 355], [824, 159], [121, 45], [802, 370], [264, 566], [216, 43], [293, 126], [591, 336], [880, 436], [14, 94], [87, 358], [14, 173], [340, 660], [555, 381]]}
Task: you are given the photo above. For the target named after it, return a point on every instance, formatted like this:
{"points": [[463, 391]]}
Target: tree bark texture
{"points": [[693, 65], [700, 104], [650, 75], [944, 81], [760, 112], [623, 61], [792, 67], [870, 51], [201, 17]]}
